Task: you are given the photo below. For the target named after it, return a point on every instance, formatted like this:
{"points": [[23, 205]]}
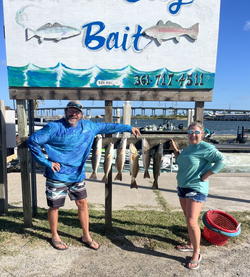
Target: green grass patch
{"points": [[148, 228]]}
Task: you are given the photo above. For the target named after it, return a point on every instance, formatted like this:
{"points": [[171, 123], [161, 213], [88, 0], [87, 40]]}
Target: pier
{"points": [[244, 114]]}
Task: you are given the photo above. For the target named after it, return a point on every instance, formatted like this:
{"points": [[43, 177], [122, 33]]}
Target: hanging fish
{"points": [[158, 156], [120, 158], [171, 30], [134, 164], [96, 156], [109, 154], [146, 157]]}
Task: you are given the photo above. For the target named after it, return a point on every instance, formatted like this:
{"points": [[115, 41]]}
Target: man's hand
{"points": [[136, 132], [55, 167]]}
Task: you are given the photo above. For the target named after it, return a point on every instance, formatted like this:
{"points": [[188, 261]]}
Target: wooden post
{"points": [[108, 185], [127, 116], [31, 113], [3, 163], [199, 111], [24, 163]]}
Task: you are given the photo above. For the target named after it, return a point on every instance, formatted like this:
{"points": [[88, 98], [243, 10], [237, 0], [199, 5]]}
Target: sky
{"points": [[232, 76]]}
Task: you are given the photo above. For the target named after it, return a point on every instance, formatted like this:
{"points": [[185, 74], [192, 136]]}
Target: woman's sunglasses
{"points": [[191, 132]]}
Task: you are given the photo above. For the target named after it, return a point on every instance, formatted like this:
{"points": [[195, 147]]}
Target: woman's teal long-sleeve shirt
{"points": [[194, 161], [69, 146]]}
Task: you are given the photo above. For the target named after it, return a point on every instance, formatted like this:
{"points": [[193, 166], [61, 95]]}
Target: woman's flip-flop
{"points": [[194, 262]]}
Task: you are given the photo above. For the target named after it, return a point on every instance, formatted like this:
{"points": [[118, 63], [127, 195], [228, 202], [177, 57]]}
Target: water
{"points": [[237, 162], [219, 127]]}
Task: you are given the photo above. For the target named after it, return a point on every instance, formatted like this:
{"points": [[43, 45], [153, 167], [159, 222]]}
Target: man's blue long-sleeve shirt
{"points": [[69, 146]]}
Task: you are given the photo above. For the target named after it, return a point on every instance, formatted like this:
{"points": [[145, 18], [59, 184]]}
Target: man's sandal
{"points": [[91, 244], [57, 244]]}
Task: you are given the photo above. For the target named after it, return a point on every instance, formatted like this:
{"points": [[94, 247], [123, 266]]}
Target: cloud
{"points": [[247, 26], [243, 97]]}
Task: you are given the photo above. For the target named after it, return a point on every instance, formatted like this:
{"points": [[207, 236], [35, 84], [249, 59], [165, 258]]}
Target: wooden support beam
{"points": [[199, 111], [24, 163], [3, 164], [204, 95], [108, 185]]}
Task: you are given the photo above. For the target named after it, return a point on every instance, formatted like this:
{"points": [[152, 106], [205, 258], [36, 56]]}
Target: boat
{"points": [[165, 128]]}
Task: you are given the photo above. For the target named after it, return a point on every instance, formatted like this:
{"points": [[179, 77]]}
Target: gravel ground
{"points": [[121, 258]]}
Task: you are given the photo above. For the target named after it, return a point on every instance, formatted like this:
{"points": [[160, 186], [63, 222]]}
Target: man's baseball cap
{"points": [[75, 104]]}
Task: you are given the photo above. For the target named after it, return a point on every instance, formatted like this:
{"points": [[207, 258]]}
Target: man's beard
{"points": [[71, 120]]}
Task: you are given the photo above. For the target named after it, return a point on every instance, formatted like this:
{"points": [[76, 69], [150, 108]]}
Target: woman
{"points": [[196, 163]]}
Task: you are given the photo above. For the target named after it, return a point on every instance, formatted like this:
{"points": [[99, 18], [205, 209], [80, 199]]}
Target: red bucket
{"points": [[221, 221], [213, 237]]}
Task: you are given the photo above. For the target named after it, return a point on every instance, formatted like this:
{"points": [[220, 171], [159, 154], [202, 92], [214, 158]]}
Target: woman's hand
{"points": [[172, 143], [55, 167], [206, 175], [176, 151]]}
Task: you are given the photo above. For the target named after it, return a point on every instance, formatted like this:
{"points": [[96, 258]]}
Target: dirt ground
{"points": [[121, 258]]}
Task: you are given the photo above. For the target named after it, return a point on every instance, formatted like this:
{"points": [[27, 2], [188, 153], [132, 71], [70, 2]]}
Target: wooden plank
{"points": [[3, 164], [108, 185], [24, 163], [111, 94]]}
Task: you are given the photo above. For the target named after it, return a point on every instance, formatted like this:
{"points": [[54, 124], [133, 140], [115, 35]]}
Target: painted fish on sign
{"points": [[171, 30], [52, 32]]}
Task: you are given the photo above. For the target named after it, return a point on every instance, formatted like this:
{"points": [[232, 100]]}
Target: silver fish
{"points": [[145, 157], [52, 32], [96, 156], [109, 154], [158, 156], [134, 164], [171, 30], [120, 157]]}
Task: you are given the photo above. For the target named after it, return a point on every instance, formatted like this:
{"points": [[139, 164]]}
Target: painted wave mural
{"points": [[62, 76]]}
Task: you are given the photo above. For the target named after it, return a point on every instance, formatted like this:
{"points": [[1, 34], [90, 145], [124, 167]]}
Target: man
{"points": [[68, 143]]}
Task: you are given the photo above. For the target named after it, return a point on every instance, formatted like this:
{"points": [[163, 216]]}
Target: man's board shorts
{"points": [[56, 192]]}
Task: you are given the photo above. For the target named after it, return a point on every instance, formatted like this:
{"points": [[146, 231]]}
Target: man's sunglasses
{"points": [[74, 105], [191, 132]]}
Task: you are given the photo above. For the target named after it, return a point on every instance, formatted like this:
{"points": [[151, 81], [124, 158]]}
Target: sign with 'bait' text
{"points": [[131, 44]]}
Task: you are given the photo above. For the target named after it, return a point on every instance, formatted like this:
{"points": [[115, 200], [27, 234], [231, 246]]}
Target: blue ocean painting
{"points": [[61, 76]]}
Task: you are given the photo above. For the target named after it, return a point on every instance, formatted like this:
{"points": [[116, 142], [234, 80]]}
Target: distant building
{"points": [[229, 117]]}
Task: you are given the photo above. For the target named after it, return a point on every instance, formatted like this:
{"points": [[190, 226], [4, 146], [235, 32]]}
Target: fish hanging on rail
{"points": [[134, 164], [109, 154], [158, 156], [120, 158], [146, 157], [96, 156], [171, 30]]}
